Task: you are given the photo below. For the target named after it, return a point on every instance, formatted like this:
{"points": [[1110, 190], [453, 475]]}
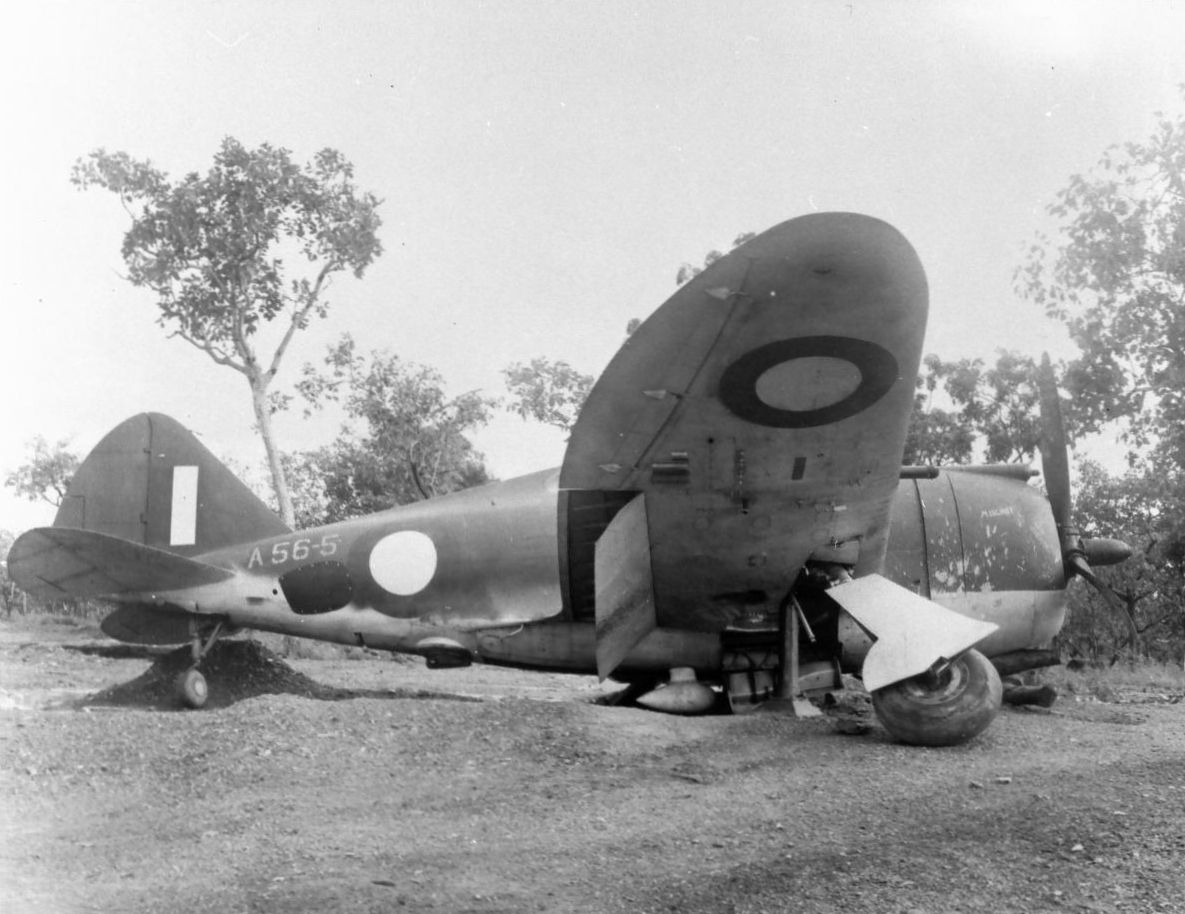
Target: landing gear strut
{"points": [[191, 686]]}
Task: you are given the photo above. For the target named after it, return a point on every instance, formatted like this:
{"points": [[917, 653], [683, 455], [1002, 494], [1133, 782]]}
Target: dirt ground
{"points": [[369, 784]]}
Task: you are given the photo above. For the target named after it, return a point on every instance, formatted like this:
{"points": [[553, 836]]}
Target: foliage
{"points": [[1145, 509], [47, 473], [935, 436], [404, 440], [1109, 682], [994, 411], [209, 247], [1115, 275], [7, 588], [548, 392], [689, 270]]}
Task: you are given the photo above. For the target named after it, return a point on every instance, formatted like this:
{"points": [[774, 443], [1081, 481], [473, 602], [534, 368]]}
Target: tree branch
{"points": [[299, 316], [209, 349]]}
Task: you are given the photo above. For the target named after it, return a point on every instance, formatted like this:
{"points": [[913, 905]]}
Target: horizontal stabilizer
{"points": [[57, 563], [912, 633]]}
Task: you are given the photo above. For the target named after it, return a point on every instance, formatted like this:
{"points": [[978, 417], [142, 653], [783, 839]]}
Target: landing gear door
{"points": [[625, 589]]}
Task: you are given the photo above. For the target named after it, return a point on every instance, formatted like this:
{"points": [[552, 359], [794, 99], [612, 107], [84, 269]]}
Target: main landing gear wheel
{"points": [[192, 688], [943, 709]]}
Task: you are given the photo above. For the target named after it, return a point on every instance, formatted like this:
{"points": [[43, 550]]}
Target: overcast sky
{"points": [[545, 168]]}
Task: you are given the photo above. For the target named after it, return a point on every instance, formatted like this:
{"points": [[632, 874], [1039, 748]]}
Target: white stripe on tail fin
{"points": [[183, 517], [150, 481]]}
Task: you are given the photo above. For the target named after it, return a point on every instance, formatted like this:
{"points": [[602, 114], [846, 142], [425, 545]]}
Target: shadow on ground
{"points": [[235, 670]]}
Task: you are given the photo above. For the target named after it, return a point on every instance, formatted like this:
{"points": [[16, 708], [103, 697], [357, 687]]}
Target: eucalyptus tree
{"points": [[46, 475], [256, 241], [550, 392], [404, 438], [1114, 274], [1113, 271]]}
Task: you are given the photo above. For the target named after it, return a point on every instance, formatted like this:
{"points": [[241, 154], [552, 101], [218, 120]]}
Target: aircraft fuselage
{"points": [[492, 574]]}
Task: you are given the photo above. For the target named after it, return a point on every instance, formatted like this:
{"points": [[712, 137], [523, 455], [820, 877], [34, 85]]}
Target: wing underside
{"points": [[762, 411]]}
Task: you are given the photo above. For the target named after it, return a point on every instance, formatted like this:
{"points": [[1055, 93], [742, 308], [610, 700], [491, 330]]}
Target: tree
{"points": [[47, 473], [7, 588], [548, 392], [935, 436], [551, 392], [210, 248], [1144, 509], [687, 270], [45, 476], [992, 415], [404, 440], [1114, 273]]}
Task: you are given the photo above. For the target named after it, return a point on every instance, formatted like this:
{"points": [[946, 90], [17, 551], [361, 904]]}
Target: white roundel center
{"points": [[807, 383], [403, 563]]}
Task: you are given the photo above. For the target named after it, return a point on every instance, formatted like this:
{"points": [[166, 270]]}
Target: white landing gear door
{"points": [[912, 633]]}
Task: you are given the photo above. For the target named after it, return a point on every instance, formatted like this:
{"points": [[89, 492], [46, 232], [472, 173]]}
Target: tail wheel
{"points": [[192, 688], [942, 710]]}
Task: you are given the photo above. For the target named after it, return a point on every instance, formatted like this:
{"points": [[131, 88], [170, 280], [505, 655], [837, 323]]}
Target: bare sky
{"points": [[545, 169]]}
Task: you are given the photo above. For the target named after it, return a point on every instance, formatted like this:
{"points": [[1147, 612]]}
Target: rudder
{"points": [[151, 481]]}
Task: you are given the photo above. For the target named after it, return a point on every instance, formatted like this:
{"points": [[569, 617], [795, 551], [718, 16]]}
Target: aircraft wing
{"points": [[60, 562], [762, 411]]}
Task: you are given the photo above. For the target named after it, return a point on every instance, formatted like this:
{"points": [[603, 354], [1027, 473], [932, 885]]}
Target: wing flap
{"points": [[60, 563]]}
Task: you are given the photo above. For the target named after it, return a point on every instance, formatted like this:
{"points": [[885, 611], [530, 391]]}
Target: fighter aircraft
{"points": [[731, 522]]}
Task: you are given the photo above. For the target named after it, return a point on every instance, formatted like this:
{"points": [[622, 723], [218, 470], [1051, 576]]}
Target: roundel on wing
{"points": [[807, 381]]}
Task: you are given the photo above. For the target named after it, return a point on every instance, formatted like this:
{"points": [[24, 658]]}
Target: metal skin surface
{"points": [[783, 453], [984, 544], [743, 445]]}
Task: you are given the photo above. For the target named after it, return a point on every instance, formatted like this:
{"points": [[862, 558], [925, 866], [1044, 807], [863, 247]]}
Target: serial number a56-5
{"points": [[294, 550]]}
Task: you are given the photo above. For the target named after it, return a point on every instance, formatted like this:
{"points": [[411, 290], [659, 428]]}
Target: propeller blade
{"points": [[1055, 465], [1076, 564]]}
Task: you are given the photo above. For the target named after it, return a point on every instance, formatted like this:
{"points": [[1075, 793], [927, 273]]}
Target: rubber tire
{"points": [[961, 705], [192, 689]]}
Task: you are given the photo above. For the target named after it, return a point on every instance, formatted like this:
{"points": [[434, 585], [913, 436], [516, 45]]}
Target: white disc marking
{"points": [[807, 383], [403, 563]]}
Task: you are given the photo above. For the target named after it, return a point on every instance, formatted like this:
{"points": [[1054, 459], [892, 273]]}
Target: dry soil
{"points": [[366, 784]]}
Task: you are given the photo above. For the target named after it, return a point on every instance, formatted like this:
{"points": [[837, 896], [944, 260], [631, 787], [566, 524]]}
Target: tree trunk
{"points": [[263, 418]]}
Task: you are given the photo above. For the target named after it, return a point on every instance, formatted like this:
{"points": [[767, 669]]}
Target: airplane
{"points": [[731, 525]]}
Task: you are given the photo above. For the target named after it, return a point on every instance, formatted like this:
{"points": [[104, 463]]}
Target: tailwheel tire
{"points": [[942, 710], [192, 689]]}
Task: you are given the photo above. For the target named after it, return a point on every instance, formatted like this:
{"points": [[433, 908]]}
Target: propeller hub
{"points": [[1105, 551]]}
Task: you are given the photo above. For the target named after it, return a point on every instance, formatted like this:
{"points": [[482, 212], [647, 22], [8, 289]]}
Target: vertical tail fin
{"points": [[152, 482]]}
